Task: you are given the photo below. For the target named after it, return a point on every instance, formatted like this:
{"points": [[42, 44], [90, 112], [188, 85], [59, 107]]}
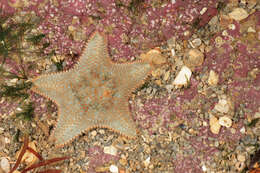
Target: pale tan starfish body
{"points": [[94, 93]]}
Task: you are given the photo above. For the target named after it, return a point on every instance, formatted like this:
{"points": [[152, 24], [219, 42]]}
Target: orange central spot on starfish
{"points": [[94, 93]]}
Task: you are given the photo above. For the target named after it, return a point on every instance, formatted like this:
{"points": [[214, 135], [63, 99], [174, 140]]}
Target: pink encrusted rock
{"points": [[99, 158], [128, 34], [187, 164]]}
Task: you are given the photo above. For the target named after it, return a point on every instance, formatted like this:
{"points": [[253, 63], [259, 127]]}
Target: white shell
{"points": [[183, 77], [225, 121]]}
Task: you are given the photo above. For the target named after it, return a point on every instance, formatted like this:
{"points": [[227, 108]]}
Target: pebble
{"points": [[251, 29], [166, 76], [241, 158], [2, 142], [213, 78], [113, 169], [240, 166], [196, 42], [173, 52], [214, 124], [28, 158], [222, 106], [147, 162], [219, 41], [194, 58], [14, 81], [204, 168], [183, 77], [225, 121], [153, 56], [110, 150], [204, 9], [243, 130], [5, 165], [93, 133], [238, 14], [1, 130]]}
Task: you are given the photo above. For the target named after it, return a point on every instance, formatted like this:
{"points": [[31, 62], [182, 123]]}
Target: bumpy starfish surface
{"points": [[94, 93]]}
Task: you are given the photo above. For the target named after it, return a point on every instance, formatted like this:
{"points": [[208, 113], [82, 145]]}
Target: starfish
{"points": [[94, 93]]}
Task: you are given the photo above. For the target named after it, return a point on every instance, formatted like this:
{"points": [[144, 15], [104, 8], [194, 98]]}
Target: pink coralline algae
{"points": [[130, 29], [99, 158]]}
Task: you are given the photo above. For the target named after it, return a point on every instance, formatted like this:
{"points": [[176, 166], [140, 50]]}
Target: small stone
{"points": [[241, 158], [113, 169], [240, 166], [147, 162], [110, 150], [166, 76], [243, 130], [238, 14], [153, 56], [222, 106], [213, 78], [251, 29], [204, 168], [4, 164], [203, 10], [2, 142], [157, 72], [232, 26], [28, 158], [214, 124], [225, 121], [71, 28], [101, 131], [183, 77], [93, 133], [253, 73], [14, 81], [123, 161], [101, 169], [16, 4], [251, 3], [219, 41], [173, 52], [1, 130], [194, 58], [196, 42], [169, 88]]}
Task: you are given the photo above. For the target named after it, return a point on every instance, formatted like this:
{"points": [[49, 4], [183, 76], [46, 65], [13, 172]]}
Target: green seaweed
{"points": [[253, 122], [15, 91], [27, 112]]}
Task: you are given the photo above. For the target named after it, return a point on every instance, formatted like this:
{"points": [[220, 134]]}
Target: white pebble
{"points": [[225, 121], [214, 124], [251, 29], [113, 169], [238, 14], [213, 78], [147, 162], [204, 168], [5, 165], [110, 150], [183, 77], [203, 10], [243, 130], [196, 42], [173, 52], [222, 106]]}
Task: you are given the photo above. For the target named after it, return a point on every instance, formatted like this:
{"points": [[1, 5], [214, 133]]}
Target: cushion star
{"points": [[94, 93]]}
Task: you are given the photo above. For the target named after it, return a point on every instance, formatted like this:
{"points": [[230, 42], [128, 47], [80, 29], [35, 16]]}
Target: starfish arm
{"points": [[70, 125], [131, 75], [50, 86], [122, 120], [94, 54]]}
